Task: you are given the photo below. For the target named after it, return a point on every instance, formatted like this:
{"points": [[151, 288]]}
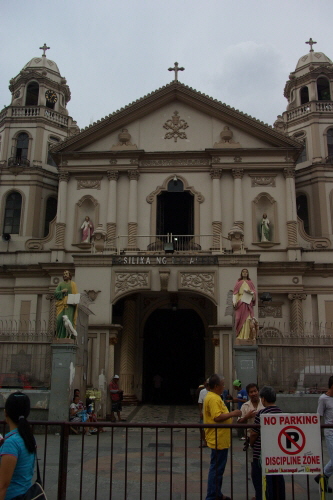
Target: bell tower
{"points": [[36, 119], [309, 119]]}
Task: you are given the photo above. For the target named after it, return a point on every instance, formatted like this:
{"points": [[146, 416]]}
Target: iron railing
{"points": [[143, 461]]}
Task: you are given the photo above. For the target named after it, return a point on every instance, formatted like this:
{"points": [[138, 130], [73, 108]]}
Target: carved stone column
{"points": [[111, 225], [133, 176], [62, 209], [296, 313], [52, 314], [216, 174], [289, 174], [216, 344], [113, 340], [238, 197], [127, 352]]}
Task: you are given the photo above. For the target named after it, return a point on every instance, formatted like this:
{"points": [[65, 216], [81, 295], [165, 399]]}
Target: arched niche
{"points": [[175, 183], [86, 206], [264, 203]]}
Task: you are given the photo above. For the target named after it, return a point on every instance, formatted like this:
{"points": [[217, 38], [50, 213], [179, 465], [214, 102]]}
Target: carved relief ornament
{"points": [[176, 125], [203, 282], [176, 162], [133, 175], [237, 173], [216, 173], [263, 180], [131, 281], [88, 184], [113, 175]]}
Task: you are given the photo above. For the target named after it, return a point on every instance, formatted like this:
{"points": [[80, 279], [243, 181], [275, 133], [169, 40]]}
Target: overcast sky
{"points": [[114, 52]]}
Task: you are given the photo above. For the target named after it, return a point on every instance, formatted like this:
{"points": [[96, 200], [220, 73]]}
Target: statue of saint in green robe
{"points": [[62, 308]]}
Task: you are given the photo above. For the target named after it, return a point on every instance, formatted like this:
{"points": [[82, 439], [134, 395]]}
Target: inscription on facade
{"points": [[158, 260]]}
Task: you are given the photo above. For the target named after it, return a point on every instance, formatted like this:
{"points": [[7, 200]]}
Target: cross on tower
{"points": [[311, 42], [44, 48], [176, 69]]}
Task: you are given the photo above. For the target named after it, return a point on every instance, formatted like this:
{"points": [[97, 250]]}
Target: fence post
{"points": [[63, 461]]}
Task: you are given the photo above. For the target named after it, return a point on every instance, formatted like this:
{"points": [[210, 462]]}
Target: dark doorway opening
{"points": [[174, 350], [175, 213]]}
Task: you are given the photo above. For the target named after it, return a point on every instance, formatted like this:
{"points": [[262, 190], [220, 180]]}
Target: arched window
{"points": [[32, 94], [304, 92], [330, 142], [50, 213], [323, 89], [302, 211], [12, 213], [52, 141], [20, 152]]}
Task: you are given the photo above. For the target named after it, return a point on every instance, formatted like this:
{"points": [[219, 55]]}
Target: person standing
{"points": [[325, 410], [241, 398], [201, 398], [116, 398], [215, 411], [275, 487], [62, 308], [18, 450], [244, 298]]}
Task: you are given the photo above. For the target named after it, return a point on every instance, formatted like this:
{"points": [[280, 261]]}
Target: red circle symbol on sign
{"points": [[291, 440]]}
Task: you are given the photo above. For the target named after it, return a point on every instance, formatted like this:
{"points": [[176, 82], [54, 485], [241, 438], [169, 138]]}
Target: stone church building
{"points": [[176, 185]]}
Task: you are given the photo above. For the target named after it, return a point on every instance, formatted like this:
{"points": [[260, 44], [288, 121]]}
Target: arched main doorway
{"points": [[174, 350]]}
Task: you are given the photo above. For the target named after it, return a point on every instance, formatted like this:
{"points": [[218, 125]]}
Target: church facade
{"points": [[155, 210]]}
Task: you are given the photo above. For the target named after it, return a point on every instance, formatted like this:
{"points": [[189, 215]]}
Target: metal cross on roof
{"points": [[311, 42], [176, 69], [44, 48]]}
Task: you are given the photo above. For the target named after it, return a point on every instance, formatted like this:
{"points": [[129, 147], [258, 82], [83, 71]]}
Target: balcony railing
{"points": [[310, 107], [167, 243], [33, 111], [14, 161]]}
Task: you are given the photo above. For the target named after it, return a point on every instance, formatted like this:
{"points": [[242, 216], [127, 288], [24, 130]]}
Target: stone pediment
{"points": [[178, 116]]}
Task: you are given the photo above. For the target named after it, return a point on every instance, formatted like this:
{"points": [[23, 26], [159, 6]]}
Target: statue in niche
{"points": [[87, 230], [244, 298], [265, 232]]}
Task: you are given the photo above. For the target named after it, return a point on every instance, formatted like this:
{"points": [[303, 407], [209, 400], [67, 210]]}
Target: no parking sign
{"points": [[290, 443]]}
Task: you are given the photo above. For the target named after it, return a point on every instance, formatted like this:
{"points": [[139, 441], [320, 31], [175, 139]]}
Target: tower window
{"points": [[303, 156], [50, 213], [302, 211], [50, 160], [330, 142], [32, 94], [12, 213], [304, 95], [22, 145], [323, 89]]}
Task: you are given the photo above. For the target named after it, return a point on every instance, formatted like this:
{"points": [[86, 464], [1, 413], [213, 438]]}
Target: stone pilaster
{"points": [[111, 225], [133, 176], [289, 174], [216, 174], [127, 352], [238, 197], [52, 314], [296, 312], [62, 209]]}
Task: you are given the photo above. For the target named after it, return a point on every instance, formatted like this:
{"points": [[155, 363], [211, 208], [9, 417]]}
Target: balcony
{"points": [[310, 107], [18, 162], [28, 112], [166, 244]]}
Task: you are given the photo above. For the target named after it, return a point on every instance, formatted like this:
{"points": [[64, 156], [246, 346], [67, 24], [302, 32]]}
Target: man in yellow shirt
{"points": [[215, 411]]}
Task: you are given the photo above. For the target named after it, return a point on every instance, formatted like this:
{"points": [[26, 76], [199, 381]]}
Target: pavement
{"points": [[93, 460]]}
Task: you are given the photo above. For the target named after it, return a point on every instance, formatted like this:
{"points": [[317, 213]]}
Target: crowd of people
{"points": [[252, 403]]}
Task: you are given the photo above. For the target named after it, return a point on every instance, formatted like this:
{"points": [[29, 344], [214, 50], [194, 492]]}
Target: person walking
{"points": [[18, 451], [116, 399], [215, 411]]}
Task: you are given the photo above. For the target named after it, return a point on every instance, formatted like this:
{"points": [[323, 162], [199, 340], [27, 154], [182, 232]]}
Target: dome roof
{"points": [[42, 63], [313, 58]]}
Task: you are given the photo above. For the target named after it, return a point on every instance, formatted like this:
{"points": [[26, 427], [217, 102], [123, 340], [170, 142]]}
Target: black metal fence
{"points": [[143, 462]]}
